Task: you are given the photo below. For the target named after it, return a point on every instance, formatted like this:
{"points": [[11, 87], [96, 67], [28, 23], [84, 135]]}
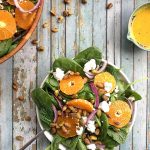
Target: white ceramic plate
{"points": [[134, 105]]}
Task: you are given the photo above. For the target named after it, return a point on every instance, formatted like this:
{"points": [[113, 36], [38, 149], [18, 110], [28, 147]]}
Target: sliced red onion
{"points": [[90, 76], [55, 113], [95, 91], [103, 66], [58, 101], [28, 11], [91, 116]]}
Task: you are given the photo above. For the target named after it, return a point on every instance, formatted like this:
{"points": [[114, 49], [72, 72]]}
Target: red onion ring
{"points": [[95, 91], [55, 113], [91, 116], [28, 11], [58, 101], [103, 66]]}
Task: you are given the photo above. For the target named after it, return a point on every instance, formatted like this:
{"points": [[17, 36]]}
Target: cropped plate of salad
{"points": [[85, 103], [16, 18]]}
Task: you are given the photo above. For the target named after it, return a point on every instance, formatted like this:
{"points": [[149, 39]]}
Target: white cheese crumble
{"points": [[107, 94], [104, 106], [107, 86], [61, 147], [91, 126], [91, 146], [116, 89], [131, 98], [90, 65], [84, 119], [59, 74], [79, 130]]}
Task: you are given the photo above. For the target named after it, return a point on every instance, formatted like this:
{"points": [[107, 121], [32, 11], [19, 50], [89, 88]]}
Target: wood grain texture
{"points": [[6, 105], [24, 78]]}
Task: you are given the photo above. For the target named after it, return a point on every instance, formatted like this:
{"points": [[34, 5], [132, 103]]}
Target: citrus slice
{"points": [[82, 104], [68, 128], [7, 25], [105, 77], [119, 114], [25, 20], [11, 2], [71, 85]]}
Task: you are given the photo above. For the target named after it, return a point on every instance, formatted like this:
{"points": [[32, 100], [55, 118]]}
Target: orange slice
{"points": [[70, 127], [119, 114], [11, 2], [25, 20], [82, 104], [105, 77], [71, 85], [7, 25]]}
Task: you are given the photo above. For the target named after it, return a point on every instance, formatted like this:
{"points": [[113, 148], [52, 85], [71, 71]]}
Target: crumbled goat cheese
{"points": [[91, 126], [107, 86], [79, 130], [91, 146], [116, 89], [90, 65], [104, 106], [61, 147], [107, 94], [59, 74], [131, 98]]}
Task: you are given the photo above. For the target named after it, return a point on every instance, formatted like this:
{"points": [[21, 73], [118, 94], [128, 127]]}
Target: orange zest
{"points": [[7, 25], [119, 114], [70, 126], [25, 20], [105, 77], [82, 104], [71, 85]]}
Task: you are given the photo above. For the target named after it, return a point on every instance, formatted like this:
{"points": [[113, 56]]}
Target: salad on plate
{"points": [[85, 103]]}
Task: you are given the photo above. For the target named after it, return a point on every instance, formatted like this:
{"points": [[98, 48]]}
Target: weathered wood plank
{"points": [[24, 77], [85, 25], [44, 58], [72, 30], [140, 59], [126, 53], [99, 25], [6, 105]]}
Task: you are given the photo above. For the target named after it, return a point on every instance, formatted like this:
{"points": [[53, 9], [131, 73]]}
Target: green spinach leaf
{"points": [[81, 145], [4, 47], [67, 64], [119, 136], [88, 54], [130, 93]]}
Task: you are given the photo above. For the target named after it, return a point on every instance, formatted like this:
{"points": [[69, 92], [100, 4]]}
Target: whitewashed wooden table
{"points": [[90, 24]]}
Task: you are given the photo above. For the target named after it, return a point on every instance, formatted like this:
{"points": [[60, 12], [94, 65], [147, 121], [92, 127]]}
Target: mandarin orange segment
{"points": [[105, 77], [70, 128], [7, 25], [71, 85], [25, 20], [119, 114], [82, 104]]}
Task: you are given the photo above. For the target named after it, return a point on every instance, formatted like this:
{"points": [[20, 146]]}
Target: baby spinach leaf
{"points": [[109, 143], [81, 145], [129, 93], [12, 47], [86, 93], [44, 103], [104, 126], [4, 47], [67, 64], [88, 54], [119, 136]]}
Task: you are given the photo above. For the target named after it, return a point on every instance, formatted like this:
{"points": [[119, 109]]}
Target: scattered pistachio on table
{"points": [[109, 5], [21, 98], [40, 48], [84, 1], [67, 12], [53, 12], [27, 118], [45, 25], [60, 19], [54, 29], [34, 42], [67, 1], [19, 138]]}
